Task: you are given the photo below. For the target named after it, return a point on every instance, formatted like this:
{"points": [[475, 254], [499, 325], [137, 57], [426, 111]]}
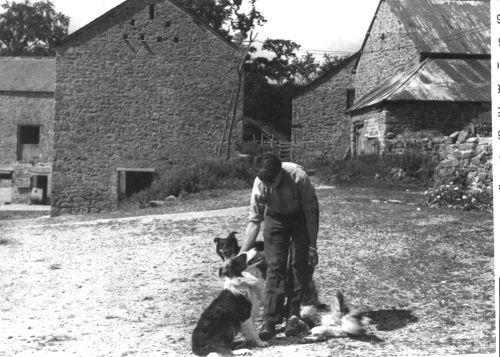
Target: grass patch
{"points": [[199, 177], [412, 167]]}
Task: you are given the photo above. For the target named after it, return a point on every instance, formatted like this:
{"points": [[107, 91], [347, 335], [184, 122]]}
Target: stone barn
{"points": [[424, 68], [26, 128], [320, 124], [142, 90]]}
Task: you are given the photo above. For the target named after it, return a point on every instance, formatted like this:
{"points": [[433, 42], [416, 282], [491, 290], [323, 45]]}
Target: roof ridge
{"points": [[175, 3]]}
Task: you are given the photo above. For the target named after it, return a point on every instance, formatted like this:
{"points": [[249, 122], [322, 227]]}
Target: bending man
{"points": [[285, 200]]}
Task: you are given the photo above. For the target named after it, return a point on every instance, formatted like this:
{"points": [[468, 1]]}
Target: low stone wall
{"points": [[428, 145], [475, 156]]}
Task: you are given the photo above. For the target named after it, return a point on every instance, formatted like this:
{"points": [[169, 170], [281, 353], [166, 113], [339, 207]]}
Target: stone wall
{"points": [[320, 126], [368, 124], [25, 108], [473, 154], [442, 117], [387, 52], [419, 125], [135, 92]]}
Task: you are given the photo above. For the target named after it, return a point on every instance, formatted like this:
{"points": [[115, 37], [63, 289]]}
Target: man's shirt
{"points": [[294, 193]]}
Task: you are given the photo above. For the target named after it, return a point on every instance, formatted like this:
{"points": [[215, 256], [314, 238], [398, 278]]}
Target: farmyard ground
{"points": [[135, 286]]}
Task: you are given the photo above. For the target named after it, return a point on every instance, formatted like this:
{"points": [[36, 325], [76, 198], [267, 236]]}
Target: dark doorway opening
{"points": [[39, 185], [133, 181], [137, 181]]}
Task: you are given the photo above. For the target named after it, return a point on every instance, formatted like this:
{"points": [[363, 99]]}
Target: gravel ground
{"points": [[135, 286]]}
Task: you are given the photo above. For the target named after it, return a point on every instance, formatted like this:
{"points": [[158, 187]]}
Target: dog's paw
{"points": [[261, 343], [242, 352]]}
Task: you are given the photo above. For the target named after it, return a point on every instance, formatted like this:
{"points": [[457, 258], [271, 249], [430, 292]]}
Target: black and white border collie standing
{"points": [[233, 311]]}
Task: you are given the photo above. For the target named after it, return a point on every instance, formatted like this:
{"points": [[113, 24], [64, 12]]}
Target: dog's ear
{"points": [[232, 236], [217, 239]]}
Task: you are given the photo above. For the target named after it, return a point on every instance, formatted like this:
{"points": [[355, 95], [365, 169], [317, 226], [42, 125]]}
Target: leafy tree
{"points": [[31, 29], [329, 62], [227, 16], [305, 68], [285, 66]]}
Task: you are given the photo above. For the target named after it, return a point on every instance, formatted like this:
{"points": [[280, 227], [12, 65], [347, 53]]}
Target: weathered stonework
{"points": [[320, 126], [25, 108], [388, 51], [135, 92], [394, 125]]}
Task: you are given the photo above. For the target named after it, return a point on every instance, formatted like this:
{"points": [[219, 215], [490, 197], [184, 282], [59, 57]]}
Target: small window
{"points": [[29, 134], [132, 22], [176, 39], [351, 93], [125, 36], [159, 39], [151, 11], [142, 37], [167, 24]]}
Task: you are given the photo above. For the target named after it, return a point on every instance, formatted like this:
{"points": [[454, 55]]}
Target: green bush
{"points": [[205, 175]]}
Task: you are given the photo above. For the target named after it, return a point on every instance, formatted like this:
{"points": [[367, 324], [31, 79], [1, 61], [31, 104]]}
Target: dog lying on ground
{"points": [[228, 247], [233, 311], [335, 320]]}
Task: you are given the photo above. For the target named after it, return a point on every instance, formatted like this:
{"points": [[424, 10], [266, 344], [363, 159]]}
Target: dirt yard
{"points": [[135, 286]]}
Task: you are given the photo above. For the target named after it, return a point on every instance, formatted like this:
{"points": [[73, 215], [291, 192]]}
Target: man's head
{"points": [[268, 167]]}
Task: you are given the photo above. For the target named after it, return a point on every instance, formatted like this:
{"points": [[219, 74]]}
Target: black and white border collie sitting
{"points": [[233, 311]]}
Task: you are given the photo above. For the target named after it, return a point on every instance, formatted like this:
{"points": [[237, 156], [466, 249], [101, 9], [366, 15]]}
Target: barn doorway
{"points": [[39, 185], [5, 186], [131, 181]]}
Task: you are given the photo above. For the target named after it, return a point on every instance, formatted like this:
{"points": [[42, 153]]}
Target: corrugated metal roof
{"points": [[457, 80], [27, 74], [446, 26]]}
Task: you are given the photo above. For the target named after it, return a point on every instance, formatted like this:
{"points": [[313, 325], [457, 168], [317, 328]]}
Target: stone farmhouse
{"points": [[320, 124], [142, 89], [424, 67], [26, 128], [423, 70]]}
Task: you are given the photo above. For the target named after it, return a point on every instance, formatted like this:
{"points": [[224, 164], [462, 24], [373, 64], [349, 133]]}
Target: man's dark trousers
{"points": [[282, 232]]}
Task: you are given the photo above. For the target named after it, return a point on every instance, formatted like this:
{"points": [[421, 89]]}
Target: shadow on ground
{"points": [[390, 319]]}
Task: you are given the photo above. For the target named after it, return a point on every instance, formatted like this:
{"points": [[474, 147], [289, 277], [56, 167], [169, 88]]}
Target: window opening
{"points": [[351, 93], [28, 140], [133, 181], [29, 134], [151, 11], [176, 39]]}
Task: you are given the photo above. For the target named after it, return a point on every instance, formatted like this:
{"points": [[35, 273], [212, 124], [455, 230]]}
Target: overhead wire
{"points": [[445, 39]]}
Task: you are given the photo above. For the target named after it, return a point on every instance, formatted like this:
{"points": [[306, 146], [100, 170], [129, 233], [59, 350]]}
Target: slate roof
{"points": [[458, 80], [27, 74]]}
